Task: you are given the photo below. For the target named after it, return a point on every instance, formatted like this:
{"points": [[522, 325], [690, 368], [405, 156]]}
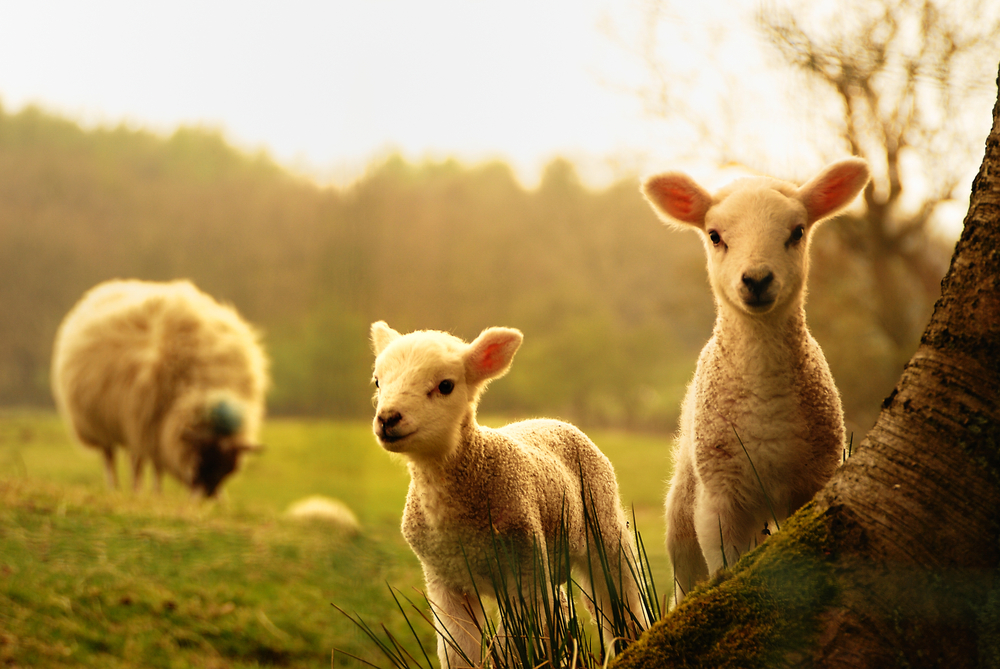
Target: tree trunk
{"points": [[895, 562]]}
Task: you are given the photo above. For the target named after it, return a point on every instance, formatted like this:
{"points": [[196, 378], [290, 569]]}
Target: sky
{"points": [[327, 87]]}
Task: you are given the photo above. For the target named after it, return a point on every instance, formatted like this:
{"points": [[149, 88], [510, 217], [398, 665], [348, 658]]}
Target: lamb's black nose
{"points": [[758, 285], [389, 420]]}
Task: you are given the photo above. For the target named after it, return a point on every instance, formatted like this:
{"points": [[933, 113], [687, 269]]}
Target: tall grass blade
{"points": [[767, 499], [427, 659], [389, 649], [722, 545]]}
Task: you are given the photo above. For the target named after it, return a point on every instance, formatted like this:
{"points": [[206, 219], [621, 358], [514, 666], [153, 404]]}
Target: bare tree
{"points": [[897, 560], [903, 73]]}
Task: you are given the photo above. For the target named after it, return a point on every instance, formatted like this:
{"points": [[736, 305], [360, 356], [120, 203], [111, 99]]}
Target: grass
{"points": [[92, 578]]}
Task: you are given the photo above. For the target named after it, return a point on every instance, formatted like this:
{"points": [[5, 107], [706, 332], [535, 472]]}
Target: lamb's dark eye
{"points": [[797, 234], [715, 237], [446, 387], [376, 383]]}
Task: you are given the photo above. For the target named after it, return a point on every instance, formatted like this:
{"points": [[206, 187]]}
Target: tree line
{"points": [[613, 306]]}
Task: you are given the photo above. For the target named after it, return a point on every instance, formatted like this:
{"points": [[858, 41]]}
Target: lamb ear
{"points": [[676, 197], [490, 355], [382, 336], [834, 188]]}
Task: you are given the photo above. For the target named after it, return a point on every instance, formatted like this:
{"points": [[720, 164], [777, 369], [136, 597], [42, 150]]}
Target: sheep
{"points": [[327, 509], [166, 372], [762, 402], [471, 486]]}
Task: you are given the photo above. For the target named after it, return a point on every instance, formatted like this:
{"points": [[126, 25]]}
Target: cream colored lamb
{"points": [[472, 486], [761, 378], [167, 373]]}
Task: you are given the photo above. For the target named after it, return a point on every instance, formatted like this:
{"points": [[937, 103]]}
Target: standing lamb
{"points": [[472, 486], [165, 371], [761, 379]]}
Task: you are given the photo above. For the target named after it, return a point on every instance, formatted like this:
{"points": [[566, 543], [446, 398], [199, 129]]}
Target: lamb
{"points": [[762, 401], [166, 372], [472, 486]]}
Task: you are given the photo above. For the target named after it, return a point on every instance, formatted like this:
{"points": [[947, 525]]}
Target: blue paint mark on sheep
{"points": [[225, 418]]}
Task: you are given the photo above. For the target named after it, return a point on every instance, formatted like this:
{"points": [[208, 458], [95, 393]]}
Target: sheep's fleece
{"points": [[164, 371]]}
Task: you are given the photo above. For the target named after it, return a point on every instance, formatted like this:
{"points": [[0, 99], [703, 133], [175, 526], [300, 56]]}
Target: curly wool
{"points": [[164, 371]]}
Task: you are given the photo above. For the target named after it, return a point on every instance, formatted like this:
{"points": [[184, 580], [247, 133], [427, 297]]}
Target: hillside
{"points": [[95, 578]]}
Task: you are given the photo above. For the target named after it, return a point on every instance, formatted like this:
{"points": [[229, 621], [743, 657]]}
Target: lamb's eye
{"points": [[797, 234], [715, 237], [446, 387], [376, 383]]}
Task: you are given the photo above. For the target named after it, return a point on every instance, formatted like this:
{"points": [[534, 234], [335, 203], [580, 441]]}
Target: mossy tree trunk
{"points": [[896, 561]]}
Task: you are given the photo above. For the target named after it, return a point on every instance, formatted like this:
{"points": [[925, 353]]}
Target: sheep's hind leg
{"points": [[683, 548], [137, 463], [725, 532], [110, 471], [597, 597]]}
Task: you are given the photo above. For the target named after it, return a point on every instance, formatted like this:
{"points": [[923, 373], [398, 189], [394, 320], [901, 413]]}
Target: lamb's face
{"points": [[422, 394], [756, 231], [757, 245], [428, 385]]}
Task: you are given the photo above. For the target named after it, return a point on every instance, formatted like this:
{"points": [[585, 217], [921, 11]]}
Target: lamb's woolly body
{"points": [[471, 486], [761, 379], [141, 364], [524, 478]]}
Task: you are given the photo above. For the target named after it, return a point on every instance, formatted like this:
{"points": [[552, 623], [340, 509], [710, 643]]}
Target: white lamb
{"points": [[761, 378], [524, 478], [164, 371]]}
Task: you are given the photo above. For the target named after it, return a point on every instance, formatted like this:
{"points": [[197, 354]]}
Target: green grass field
{"points": [[93, 578]]}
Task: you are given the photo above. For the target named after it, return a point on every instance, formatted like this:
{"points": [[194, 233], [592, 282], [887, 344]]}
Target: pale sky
{"points": [[327, 87]]}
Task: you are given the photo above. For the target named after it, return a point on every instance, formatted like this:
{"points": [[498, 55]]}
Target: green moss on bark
{"points": [[758, 614]]}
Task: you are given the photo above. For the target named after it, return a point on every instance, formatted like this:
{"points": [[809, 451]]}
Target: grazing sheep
{"points": [[761, 378], [472, 486], [165, 371]]}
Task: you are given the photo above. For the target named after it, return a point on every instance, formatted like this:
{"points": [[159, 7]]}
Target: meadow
{"points": [[95, 578]]}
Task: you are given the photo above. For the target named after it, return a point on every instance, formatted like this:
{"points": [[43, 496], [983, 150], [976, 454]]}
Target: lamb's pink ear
{"points": [[490, 355], [382, 336], [834, 188], [676, 197]]}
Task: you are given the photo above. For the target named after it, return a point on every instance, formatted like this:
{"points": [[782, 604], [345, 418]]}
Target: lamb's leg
{"points": [[683, 548], [452, 610], [597, 595], [725, 531]]}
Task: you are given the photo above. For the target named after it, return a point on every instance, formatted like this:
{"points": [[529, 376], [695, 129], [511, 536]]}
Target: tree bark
{"points": [[896, 561]]}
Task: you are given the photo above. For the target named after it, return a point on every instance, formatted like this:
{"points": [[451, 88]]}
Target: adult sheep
{"points": [[472, 488], [762, 428], [164, 371]]}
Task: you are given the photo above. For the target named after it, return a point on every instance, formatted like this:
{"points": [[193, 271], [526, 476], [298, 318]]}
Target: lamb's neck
{"points": [[772, 343], [450, 465]]}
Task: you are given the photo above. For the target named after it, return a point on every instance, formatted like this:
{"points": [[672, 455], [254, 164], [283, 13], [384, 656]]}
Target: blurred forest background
{"points": [[613, 305]]}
